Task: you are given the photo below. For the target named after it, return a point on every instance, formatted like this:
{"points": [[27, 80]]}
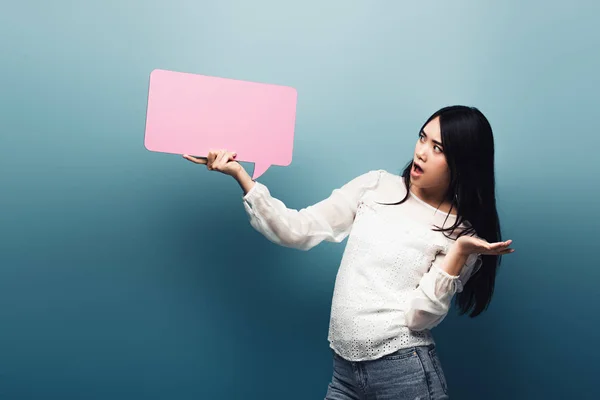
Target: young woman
{"points": [[414, 242]]}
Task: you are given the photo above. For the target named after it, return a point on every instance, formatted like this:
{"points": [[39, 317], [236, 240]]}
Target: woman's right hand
{"points": [[218, 160], [224, 161]]}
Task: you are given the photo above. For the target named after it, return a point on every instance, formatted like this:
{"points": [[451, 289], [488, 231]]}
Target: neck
{"points": [[434, 197]]}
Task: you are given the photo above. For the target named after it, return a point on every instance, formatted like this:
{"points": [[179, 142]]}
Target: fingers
{"points": [[222, 157], [500, 248], [500, 245], [497, 248], [197, 160], [215, 160], [219, 161], [497, 252], [502, 253], [212, 156]]}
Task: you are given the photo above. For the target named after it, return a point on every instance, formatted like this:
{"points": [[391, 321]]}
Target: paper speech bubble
{"points": [[192, 114]]}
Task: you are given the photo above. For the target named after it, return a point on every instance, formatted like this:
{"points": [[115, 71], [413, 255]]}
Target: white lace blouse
{"points": [[389, 290]]}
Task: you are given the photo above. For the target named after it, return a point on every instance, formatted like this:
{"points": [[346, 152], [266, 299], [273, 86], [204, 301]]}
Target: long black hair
{"points": [[469, 149]]}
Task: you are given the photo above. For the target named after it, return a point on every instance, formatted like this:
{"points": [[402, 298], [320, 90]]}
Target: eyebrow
{"points": [[434, 141]]}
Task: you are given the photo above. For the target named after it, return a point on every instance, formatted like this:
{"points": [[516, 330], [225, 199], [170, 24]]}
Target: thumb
{"points": [[197, 160]]}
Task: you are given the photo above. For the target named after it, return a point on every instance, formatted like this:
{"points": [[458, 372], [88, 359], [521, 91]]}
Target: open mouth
{"points": [[417, 169]]}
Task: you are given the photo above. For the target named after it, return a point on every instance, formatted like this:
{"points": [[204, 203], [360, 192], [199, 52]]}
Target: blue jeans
{"points": [[414, 373]]}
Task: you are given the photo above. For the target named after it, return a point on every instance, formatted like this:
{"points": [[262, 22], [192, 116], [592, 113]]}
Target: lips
{"points": [[418, 168]]}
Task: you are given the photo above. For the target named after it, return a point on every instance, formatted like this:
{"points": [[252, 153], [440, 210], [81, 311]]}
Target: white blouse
{"points": [[389, 290]]}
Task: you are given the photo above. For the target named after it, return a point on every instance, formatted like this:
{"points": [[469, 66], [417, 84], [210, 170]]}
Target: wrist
{"points": [[455, 259], [243, 179], [236, 174], [241, 175], [460, 250]]}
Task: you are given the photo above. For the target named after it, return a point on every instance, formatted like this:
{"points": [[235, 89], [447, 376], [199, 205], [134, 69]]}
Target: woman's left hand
{"points": [[469, 245]]}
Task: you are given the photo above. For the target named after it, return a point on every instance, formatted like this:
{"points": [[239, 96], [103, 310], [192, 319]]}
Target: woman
{"points": [[414, 242]]}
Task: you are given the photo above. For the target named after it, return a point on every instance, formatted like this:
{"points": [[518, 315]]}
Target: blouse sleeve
{"points": [[430, 301], [330, 219]]}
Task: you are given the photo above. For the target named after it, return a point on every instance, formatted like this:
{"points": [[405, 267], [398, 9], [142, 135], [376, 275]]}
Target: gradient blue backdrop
{"points": [[126, 274]]}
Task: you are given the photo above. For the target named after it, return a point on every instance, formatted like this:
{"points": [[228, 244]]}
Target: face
{"points": [[434, 174]]}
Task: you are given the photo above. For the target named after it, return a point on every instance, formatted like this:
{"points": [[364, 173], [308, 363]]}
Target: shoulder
{"points": [[377, 184], [390, 187], [380, 185]]}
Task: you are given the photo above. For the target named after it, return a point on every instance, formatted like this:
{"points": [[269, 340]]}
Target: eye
{"points": [[421, 137]]}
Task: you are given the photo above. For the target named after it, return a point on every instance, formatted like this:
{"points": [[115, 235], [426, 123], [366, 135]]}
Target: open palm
{"points": [[471, 245]]}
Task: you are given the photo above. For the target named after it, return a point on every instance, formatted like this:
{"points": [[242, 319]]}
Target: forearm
{"points": [[454, 261], [244, 180], [329, 219], [431, 300], [300, 229]]}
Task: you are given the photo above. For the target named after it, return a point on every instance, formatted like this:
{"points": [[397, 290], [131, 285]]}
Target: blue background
{"points": [[126, 274]]}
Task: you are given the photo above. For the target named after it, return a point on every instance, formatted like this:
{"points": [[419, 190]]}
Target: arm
{"points": [[329, 219], [429, 303], [244, 180]]}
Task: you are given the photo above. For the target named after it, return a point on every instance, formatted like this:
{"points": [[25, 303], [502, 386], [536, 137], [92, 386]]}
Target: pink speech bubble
{"points": [[192, 114]]}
